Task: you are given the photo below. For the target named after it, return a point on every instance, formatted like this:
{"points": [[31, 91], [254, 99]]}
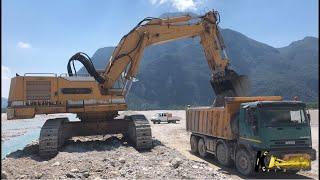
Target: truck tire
{"points": [[223, 155], [244, 162], [194, 144], [202, 148]]}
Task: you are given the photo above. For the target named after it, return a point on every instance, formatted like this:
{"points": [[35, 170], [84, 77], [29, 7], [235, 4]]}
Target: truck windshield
{"points": [[273, 117]]}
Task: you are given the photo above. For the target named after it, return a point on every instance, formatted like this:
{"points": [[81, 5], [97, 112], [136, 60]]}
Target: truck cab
{"points": [[276, 126], [163, 117]]}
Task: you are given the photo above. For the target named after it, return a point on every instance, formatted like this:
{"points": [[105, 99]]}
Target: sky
{"points": [[41, 36]]}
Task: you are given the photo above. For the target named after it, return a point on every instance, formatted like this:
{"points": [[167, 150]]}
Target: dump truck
{"points": [[255, 133], [164, 117]]}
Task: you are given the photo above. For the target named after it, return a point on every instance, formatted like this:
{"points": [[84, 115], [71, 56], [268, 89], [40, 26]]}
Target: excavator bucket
{"points": [[241, 85], [230, 85]]}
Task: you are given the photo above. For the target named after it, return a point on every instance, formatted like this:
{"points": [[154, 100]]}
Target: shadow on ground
{"points": [[232, 171], [81, 145]]}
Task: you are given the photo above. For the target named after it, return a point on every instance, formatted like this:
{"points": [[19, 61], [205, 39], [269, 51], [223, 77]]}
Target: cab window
{"points": [[286, 117]]}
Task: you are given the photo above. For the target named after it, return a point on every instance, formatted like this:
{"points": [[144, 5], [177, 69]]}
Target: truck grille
{"points": [[290, 142]]}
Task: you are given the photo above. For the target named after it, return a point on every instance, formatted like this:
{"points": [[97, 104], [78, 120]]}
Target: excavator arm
{"points": [[156, 31], [127, 55]]}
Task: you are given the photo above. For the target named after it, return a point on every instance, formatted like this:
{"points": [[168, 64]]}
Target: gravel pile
{"points": [[100, 158]]}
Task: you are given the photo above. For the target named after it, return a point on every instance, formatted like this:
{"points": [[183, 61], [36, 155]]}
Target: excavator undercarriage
{"points": [[135, 128]]}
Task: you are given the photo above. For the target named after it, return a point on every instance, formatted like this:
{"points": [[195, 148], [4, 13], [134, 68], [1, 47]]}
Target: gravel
{"points": [[105, 157]]}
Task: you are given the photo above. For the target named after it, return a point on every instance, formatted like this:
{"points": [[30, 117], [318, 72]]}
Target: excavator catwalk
{"points": [[97, 98]]}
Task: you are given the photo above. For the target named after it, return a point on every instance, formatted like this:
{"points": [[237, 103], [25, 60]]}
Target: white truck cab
{"points": [[163, 117]]}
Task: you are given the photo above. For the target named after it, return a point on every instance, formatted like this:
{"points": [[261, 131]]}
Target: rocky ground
{"points": [[99, 157], [106, 157]]}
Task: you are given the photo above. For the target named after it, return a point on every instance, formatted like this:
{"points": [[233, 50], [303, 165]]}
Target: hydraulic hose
{"points": [[85, 60]]}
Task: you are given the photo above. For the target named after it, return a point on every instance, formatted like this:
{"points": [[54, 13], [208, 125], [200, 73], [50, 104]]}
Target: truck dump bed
{"points": [[215, 121]]}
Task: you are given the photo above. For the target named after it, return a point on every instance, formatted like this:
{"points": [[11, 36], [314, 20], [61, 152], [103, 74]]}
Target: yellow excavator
{"points": [[97, 98]]}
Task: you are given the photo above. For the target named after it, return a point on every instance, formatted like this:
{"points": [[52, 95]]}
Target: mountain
{"points": [[99, 59], [176, 73]]}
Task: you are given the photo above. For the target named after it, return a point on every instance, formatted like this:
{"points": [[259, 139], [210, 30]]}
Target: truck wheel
{"points": [[154, 122], [222, 154], [194, 144], [244, 163], [202, 148]]}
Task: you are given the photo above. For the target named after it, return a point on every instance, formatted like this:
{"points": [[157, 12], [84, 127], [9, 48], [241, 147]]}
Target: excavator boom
{"points": [[127, 55], [156, 31]]}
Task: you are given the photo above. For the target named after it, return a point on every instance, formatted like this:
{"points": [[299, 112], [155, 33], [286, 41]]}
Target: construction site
{"points": [[237, 136]]}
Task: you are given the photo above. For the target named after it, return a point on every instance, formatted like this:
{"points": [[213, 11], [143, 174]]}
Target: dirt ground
{"points": [[110, 157]]}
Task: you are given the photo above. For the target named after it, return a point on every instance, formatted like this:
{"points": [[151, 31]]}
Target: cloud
{"points": [[5, 73], [180, 5], [153, 2], [23, 45]]}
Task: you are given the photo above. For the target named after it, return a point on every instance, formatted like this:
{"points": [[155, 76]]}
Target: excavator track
{"points": [[51, 137], [139, 132]]}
